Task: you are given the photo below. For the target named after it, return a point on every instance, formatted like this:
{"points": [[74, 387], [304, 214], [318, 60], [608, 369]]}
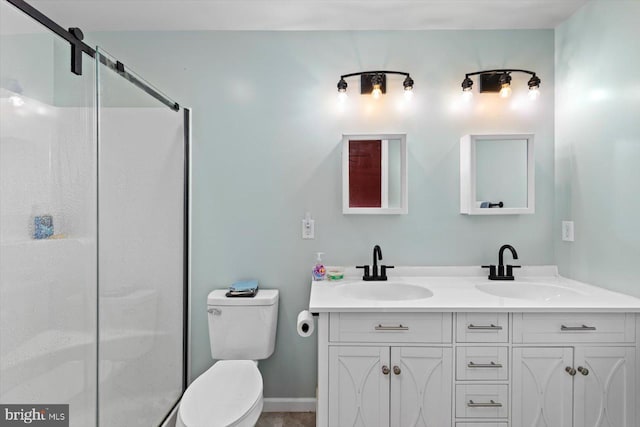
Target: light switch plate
{"points": [[567, 231]]}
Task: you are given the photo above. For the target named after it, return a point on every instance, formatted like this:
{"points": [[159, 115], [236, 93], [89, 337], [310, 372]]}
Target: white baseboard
{"points": [[289, 404]]}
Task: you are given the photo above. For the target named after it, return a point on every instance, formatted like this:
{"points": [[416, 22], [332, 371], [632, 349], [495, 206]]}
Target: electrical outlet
{"points": [[308, 227], [567, 231]]}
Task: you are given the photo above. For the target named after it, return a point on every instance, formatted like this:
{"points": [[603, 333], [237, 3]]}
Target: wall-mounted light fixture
{"points": [[500, 81], [374, 82]]}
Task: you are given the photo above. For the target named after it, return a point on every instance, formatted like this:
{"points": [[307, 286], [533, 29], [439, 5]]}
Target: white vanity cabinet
{"points": [[542, 388], [479, 369], [358, 388], [581, 387], [588, 381], [421, 386], [605, 393], [406, 382], [482, 391]]}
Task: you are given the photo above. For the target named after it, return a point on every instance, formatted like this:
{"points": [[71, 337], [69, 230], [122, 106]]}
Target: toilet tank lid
{"points": [[264, 297]]}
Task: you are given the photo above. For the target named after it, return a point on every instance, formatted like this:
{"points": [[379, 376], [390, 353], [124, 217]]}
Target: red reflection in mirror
{"points": [[365, 174]]}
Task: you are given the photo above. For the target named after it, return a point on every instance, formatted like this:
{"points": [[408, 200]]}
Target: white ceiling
{"points": [[184, 15]]}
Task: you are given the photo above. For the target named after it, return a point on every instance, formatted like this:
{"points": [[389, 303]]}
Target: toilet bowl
{"points": [[229, 394]]}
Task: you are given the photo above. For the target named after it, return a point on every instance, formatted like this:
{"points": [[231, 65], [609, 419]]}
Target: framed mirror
{"points": [[497, 174], [374, 174]]}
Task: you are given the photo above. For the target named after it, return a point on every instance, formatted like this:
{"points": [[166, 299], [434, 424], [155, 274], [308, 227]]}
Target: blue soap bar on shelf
{"points": [[42, 227]]}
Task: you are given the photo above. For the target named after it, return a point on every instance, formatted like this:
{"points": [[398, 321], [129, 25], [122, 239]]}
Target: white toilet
{"points": [[241, 332]]}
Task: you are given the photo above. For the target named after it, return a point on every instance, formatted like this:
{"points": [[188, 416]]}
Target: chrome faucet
{"points": [[501, 273], [377, 256]]}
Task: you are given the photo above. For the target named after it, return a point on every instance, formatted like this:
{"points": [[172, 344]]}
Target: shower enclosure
{"points": [[93, 230]]}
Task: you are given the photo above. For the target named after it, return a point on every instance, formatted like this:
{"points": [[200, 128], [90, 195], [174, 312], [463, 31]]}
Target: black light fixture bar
{"points": [[74, 37], [502, 70], [494, 80], [370, 79], [344, 76]]}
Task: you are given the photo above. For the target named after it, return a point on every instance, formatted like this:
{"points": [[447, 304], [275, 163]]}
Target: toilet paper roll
{"points": [[305, 324]]}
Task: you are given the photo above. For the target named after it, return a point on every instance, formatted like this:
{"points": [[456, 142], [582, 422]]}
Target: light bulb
{"points": [[342, 97], [467, 84], [534, 87], [408, 94], [467, 95], [342, 85], [408, 83], [505, 84], [376, 92]]}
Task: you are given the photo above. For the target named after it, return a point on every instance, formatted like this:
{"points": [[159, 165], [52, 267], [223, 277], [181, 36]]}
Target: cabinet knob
{"points": [[385, 370], [583, 371], [570, 370], [396, 370]]}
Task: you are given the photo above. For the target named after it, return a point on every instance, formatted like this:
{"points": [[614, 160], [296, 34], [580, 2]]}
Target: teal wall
{"points": [[267, 130], [598, 144]]}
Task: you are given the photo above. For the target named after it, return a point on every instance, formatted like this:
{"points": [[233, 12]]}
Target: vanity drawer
{"points": [[482, 400], [482, 363], [573, 327], [482, 327], [482, 425], [391, 327]]}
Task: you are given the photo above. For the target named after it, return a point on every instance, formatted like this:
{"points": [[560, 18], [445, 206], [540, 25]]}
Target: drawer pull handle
{"points": [[570, 370], [391, 328], [490, 327], [490, 404], [583, 371], [484, 365], [577, 328], [385, 370], [396, 370]]}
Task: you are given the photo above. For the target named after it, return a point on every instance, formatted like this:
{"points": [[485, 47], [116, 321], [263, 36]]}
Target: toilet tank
{"points": [[242, 328]]}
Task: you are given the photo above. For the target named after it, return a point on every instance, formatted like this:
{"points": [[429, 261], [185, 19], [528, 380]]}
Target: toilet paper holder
{"points": [[305, 324]]}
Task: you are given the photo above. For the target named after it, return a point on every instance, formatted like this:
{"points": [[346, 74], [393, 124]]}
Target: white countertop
{"points": [[454, 290]]}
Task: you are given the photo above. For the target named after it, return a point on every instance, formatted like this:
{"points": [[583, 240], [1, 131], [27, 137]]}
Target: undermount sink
{"points": [[526, 290], [384, 291]]}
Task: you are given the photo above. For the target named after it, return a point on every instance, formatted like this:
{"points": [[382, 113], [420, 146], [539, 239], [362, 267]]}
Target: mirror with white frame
{"points": [[497, 174], [374, 174]]}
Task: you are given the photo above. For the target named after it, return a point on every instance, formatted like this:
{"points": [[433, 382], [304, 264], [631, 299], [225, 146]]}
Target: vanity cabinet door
{"points": [[421, 379], [359, 386], [542, 388], [604, 387]]}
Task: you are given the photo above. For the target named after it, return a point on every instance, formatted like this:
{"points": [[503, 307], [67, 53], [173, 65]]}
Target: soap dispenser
{"points": [[319, 271]]}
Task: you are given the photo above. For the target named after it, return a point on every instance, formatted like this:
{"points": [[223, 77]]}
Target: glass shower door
{"points": [[141, 251], [47, 221]]}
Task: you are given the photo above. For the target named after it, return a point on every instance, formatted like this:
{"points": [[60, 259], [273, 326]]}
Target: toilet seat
{"points": [[227, 394]]}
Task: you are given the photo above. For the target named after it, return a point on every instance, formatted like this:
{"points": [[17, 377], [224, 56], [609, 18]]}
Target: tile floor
{"points": [[287, 419]]}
